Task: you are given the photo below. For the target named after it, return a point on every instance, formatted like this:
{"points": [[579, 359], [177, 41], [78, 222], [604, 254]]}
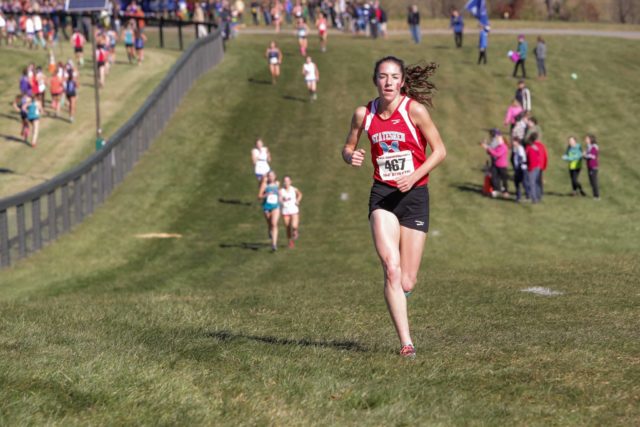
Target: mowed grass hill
{"points": [[212, 329]]}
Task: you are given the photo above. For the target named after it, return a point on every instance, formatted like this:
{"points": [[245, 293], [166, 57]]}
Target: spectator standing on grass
{"points": [[520, 173], [413, 20], [512, 113], [499, 153], [522, 49], [544, 161], [483, 44], [457, 24], [592, 154], [573, 156], [3, 27], [523, 95], [533, 126], [540, 52], [520, 127], [534, 167], [11, 30]]}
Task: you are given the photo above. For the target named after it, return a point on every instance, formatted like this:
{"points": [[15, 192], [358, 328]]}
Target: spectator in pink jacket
{"points": [[499, 153], [512, 112]]}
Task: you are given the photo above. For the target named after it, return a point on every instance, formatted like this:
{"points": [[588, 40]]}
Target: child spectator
{"points": [[499, 153], [457, 24], [540, 52], [523, 95], [522, 49], [519, 163], [519, 129], [544, 159], [573, 156], [592, 154], [512, 112], [483, 44], [534, 167]]}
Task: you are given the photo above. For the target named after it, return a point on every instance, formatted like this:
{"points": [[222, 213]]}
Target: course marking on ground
{"points": [[539, 290], [159, 236]]}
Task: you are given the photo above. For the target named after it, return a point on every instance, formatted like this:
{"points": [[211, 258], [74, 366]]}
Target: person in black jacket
{"points": [[413, 20]]}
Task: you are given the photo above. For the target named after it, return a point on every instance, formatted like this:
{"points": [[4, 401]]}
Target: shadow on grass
{"points": [[15, 117], [14, 139], [5, 170], [234, 202], [293, 98], [258, 82], [469, 187], [227, 336], [246, 245]]}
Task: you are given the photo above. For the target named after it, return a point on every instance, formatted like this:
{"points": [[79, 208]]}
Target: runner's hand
{"points": [[357, 157], [405, 183]]}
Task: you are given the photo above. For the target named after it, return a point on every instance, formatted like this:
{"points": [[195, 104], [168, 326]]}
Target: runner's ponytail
{"points": [[417, 84]]}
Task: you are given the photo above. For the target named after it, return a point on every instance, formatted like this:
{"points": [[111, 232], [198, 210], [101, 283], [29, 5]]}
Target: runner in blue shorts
{"points": [[269, 193]]}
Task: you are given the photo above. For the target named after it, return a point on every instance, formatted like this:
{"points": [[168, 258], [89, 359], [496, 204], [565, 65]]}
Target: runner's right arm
{"points": [[350, 153]]}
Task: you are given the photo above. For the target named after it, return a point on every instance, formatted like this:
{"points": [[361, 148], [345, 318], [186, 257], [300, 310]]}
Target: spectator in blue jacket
{"points": [[458, 26], [522, 49], [483, 44]]}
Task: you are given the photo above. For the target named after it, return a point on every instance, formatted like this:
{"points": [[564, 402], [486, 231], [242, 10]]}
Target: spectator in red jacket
{"points": [[534, 164], [543, 163]]}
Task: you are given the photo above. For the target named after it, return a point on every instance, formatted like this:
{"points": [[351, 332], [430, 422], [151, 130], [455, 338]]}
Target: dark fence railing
{"points": [[31, 219]]}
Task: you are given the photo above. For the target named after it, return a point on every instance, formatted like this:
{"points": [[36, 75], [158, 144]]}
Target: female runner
{"points": [[269, 190], [399, 128], [274, 56], [261, 157], [290, 198], [302, 30], [311, 77], [321, 25]]}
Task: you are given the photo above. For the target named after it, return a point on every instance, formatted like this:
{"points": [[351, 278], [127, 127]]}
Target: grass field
{"points": [[62, 144], [212, 329]]}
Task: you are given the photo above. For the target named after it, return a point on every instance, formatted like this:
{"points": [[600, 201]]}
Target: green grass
{"points": [[103, 328]]}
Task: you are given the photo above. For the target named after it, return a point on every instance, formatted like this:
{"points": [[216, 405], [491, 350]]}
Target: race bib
{"points": [[395, 165], [272, 199], [273, 60]]}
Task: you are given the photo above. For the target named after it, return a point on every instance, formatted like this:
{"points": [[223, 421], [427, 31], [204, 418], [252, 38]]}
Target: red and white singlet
{"points": [[397, 145]]}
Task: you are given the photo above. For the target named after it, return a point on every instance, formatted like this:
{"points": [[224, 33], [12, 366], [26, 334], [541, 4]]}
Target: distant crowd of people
{"points": [[45, 90], [522, 146]]}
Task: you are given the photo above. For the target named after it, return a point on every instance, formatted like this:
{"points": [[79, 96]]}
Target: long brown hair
{"points": [[416, 79]]}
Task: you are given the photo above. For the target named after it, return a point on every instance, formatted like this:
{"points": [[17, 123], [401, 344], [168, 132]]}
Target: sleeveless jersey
{"points": [[271, 197], [397, 145], [310, 71], [289, 206], [273, 56], [262, 164]]}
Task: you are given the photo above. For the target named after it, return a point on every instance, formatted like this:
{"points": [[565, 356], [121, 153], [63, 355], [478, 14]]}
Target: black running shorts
{"points": [[411, 208]]}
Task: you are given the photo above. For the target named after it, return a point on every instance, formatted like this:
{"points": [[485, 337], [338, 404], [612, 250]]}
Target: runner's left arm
{"points": [[420, 116]]}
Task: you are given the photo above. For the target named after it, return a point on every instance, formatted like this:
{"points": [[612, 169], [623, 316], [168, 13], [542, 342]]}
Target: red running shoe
{"points": [[408, 351], [291, 244]]}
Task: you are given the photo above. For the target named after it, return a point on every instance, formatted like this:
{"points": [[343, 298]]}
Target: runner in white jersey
{"points": [[290, 198], [311, 77], [261, 157]]}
